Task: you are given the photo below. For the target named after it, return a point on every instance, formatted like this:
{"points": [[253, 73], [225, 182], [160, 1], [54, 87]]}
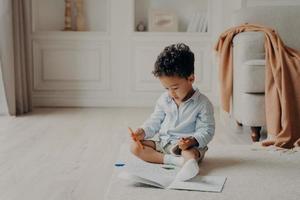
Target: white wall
{"points": [[123, 77], [121, 60], [229, 7]]}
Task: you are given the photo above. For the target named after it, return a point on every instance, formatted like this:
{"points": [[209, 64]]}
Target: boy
{"points": [[183, 117]]}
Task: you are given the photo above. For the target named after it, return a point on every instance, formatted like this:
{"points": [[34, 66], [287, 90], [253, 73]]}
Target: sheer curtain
{"points": [[14, 54], [21, 28], [7, 78]]}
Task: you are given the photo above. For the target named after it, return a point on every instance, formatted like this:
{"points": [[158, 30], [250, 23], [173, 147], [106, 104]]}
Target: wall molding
{"points": [[53, 62]]}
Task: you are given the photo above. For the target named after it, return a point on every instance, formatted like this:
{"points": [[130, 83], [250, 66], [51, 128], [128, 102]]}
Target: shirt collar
{"points": [[194, 96]]}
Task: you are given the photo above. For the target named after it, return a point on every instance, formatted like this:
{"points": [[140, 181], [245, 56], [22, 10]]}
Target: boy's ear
{"points": [[191, 78]]}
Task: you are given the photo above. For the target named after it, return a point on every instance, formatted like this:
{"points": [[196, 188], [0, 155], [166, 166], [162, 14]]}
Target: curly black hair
{"points": [[175, 60]]}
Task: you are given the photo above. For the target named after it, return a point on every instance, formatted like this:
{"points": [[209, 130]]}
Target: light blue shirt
{"points": [[194, 117]]}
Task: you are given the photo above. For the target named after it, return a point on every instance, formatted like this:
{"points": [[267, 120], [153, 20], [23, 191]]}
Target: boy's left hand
{"points": [[185, 143]]}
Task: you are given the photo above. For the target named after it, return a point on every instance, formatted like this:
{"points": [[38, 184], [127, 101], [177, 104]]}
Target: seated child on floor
{"points": [[183, 117]]}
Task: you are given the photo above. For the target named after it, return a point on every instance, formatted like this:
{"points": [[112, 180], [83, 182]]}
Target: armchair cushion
{"points": [[253, 76]]}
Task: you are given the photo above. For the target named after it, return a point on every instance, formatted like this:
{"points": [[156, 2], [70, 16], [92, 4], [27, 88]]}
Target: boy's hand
{"points": [[185, 143], [139, 134]]}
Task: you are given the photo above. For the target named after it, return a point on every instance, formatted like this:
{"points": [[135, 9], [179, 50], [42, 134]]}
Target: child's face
{"points": [[178, 88]]}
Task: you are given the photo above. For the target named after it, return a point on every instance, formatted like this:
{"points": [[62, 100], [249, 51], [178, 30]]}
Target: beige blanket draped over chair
{"points": [[282, 88]]}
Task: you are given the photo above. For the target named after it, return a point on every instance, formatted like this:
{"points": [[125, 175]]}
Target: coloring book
{"points": [[163, 176]]}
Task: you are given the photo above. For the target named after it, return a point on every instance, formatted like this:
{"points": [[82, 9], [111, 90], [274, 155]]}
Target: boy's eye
{"points": [[171, 88]]}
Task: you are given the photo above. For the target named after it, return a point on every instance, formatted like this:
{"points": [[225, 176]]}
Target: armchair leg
{"points": [[255, 133]]}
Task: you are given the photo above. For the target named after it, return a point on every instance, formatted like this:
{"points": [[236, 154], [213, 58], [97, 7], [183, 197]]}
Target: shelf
{"points": [[170, 34], [71, 35], [172, 15], [48, 15]]}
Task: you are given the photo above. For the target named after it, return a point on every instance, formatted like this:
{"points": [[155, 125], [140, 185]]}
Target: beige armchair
{"points": [[248, 102]]}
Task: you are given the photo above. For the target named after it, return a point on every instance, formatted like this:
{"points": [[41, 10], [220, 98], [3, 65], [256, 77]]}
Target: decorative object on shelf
{"points": [[141, 26], [162, 21], [68, 15], [80, 20]]}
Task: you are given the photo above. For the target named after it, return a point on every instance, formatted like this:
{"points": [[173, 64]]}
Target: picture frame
{"points": [[162, 21]]}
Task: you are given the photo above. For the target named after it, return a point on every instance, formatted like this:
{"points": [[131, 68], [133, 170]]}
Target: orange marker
{"points": [[134, 138]]}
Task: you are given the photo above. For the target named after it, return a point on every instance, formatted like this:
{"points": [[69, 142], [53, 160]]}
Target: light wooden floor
{"points": [[66, 153]]}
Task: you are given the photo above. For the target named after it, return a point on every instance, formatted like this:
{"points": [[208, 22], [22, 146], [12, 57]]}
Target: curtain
{"points": [[7, 74], [21, 31]]}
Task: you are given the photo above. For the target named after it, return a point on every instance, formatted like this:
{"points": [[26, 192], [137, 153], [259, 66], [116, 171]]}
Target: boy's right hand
{"points": [[139, 134]]}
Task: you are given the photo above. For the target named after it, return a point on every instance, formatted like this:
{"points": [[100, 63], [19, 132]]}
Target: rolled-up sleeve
{"points": [[153, 123], [205, 125]]}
